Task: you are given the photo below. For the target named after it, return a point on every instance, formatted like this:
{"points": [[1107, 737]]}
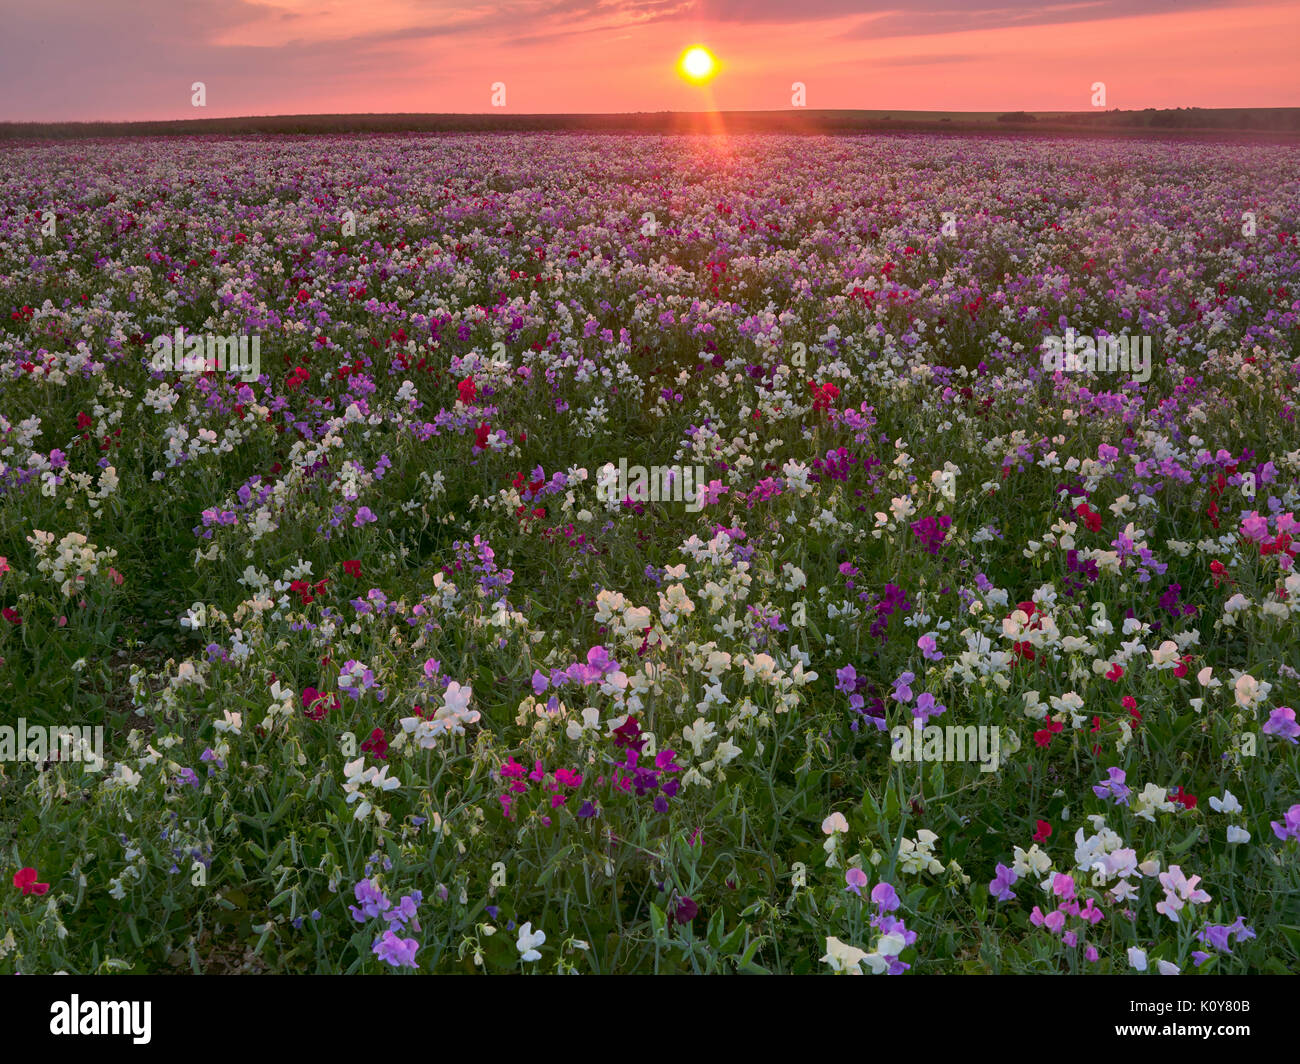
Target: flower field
{"points": [[618, 554]]}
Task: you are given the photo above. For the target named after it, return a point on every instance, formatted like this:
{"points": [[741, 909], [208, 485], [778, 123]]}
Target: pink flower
{"points": [[1254, 527]]}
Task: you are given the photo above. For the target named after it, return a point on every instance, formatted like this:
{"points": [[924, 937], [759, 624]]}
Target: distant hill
{"points": [[1252, 122]]}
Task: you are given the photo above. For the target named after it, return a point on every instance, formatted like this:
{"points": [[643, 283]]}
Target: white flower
{"points": [[232, 723], [842, 957], [528, 942], [1151, 799], [1228, 804], [701, 732], [1237, 834], [456, 698], [1137, 958], [590, 722]]}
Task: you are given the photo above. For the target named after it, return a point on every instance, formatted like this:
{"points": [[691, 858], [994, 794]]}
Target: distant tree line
{"points": [[1282, 120]]}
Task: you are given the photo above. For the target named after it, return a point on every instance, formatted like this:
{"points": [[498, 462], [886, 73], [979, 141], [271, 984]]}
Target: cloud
{"points": [[905, 18], [926, 60]]}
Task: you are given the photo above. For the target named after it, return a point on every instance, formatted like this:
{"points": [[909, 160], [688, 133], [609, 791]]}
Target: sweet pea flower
{"points": [[528, 941]]}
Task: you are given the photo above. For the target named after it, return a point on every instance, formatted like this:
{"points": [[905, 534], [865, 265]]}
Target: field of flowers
{"points": [[396, 670]]}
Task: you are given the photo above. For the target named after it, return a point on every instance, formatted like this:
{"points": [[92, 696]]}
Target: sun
{"points": [[697, 64]]}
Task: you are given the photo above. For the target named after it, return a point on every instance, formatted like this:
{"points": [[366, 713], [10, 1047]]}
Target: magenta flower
{"points": [[929, 648]]}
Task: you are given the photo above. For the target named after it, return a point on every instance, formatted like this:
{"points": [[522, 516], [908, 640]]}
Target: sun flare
{"points": [[697, 64]]}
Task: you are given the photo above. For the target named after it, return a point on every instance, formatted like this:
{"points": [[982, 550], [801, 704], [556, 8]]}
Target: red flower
{"points": [[467, 389], [1187, 801], [303, 295], [1024, 650], [1043, 737], [10, 616], [353, 569], [481, 436], [1044, 830], [315, 704], [25, 880], [823, 395], [1129, 702], [1089, 516], [376, 744], [1116, 671]]}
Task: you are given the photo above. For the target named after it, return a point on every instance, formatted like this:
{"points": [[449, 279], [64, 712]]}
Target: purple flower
{"points": [[885, 897], [846, 679], [598, 658], [405, 912], [399, 952], [373, 902], [1290, 829], [856, 880], [1000, 887], [1113, 787], [1281, 722], [926, 707]]}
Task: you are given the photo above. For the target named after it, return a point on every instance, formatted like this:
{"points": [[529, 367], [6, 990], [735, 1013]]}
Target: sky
{"points": [[123, 60]]}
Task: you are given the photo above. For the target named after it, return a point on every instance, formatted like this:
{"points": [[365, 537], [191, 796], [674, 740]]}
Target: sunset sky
{"points": [[136, 59]]}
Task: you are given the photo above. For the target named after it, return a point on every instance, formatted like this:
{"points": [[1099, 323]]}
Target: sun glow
{"points": [[697, 64]]}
